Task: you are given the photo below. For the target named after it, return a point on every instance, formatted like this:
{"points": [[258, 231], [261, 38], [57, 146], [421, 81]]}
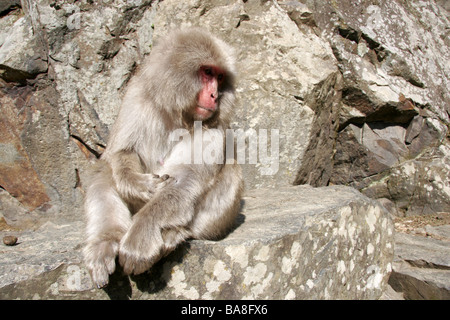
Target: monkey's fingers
{"points": [[163, 177], [153, 181], [139, 248], [169, 180], [134, 265]]}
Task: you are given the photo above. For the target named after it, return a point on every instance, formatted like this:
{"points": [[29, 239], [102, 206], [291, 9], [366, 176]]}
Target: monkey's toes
{"points": [[100, 275], [101, 280], [100, 260]]}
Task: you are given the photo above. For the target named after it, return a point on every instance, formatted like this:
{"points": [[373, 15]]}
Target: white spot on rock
{"points": [[370, 249], [220, 275], [341, 266], [290, 295], [287, 264], [344, 213], [296, 249], [255, 274], [263, 254], [260, 287], [371, 218], [221, 272], [388, 267], [376, 277], [238, 254], [177, 282]]}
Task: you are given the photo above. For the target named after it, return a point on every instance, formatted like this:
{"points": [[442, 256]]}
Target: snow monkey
{"points": [[143, 199]]}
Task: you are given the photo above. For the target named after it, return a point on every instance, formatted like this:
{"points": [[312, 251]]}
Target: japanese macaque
{"points": [[143, 200]]}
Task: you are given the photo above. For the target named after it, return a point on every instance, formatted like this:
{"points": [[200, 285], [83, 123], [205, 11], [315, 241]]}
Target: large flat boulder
{"points": [[294, 242]]}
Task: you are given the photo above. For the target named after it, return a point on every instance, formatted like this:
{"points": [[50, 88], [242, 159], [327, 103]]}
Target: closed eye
{"points": [[208, 71]]}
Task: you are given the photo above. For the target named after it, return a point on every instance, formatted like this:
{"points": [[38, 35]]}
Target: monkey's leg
{"points": [[217, 211], [167, 215], [108, 219], [169, 218], [143, 244]]}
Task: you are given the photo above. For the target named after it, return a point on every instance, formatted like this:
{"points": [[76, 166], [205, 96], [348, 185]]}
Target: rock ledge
{"points": [[291, 243]]}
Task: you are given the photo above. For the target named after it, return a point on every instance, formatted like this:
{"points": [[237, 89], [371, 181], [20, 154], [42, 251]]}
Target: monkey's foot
{"points": [[100, 260]]}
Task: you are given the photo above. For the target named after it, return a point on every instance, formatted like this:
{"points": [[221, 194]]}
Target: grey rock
{"points": [[420, 284], [387, 87], [6, 5], [414, 129], [438, 232], [391, 294], [421, 187], [422, 251], [317, 167], [291, 243], [421, 268], [385, 142], [22, 53], [389, 206], [40, 251], [299, 13]]}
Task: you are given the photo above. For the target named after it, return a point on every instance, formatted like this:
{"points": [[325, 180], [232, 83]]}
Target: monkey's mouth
{"points": [[204, 112], [207, 109]]}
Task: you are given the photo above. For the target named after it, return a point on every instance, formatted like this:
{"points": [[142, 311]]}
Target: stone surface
{"points": [[421, 268], [22, 52], [291, 243], [17, 174]]}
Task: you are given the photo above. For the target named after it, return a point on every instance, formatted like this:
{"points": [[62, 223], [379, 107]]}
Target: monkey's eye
{"points": [[220, 77], [208, 71]]}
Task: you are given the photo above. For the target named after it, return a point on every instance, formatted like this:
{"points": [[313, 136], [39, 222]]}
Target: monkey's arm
{"points": [[130, 180], [164, 221]]}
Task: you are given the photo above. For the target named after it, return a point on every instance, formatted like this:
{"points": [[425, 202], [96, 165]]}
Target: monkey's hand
{"points": [[157, 182], [156, 230], [140, 247], [154, 183], [142, 186]]}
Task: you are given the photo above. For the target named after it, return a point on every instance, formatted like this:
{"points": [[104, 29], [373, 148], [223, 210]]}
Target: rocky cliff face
{"points": [[389, 124], [356, 93]]}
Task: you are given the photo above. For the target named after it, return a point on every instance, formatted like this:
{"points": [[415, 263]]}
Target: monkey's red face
{"points": [[211, 78]]}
